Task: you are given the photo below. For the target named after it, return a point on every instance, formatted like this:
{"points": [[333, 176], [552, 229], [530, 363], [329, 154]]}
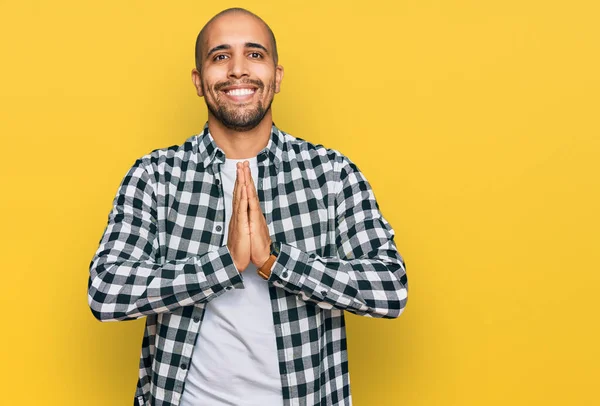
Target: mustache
{"points": [[254, 82]]}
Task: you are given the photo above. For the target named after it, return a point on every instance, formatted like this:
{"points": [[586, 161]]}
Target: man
{"points": [[244, 246]]}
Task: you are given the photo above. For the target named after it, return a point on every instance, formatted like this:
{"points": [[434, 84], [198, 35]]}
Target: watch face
{"points": [[275, 248]]}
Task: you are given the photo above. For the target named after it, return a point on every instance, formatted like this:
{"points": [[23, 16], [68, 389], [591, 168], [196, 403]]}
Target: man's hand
{"points": [[238, 239], [260, 240]]}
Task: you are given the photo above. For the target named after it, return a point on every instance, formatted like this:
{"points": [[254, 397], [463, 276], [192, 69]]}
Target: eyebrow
{"points": [[246, 45], [255, 45]]}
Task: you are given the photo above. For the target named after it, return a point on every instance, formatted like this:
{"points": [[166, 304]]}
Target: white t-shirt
{"points": [[234, 361]]}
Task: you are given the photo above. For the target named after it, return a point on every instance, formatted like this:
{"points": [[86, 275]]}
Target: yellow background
{"points": [[476, 122]]}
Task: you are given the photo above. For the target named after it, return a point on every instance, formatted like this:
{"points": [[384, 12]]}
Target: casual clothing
{"points": [[163, 255], [234, 361]]}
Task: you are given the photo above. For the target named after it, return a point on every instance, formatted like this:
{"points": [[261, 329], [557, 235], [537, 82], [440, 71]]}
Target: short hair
{"points": [[201, 34]]}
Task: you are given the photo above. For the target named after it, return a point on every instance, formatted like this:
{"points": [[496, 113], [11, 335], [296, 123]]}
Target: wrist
{"points": [[265, 269], [267, 255], [264, 262]]}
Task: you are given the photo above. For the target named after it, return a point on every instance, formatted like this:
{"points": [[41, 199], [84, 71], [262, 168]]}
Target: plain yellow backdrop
{"points": [[476, 122]]}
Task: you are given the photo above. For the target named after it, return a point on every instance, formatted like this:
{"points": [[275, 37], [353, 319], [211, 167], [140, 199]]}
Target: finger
{"points": [[248, 173], [242, 209], [239, 185], [235, 191], [251, 190], [253, 202], [243, 167]]}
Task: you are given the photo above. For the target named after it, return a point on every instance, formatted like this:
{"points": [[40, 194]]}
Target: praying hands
{"points": [[248, 239]]}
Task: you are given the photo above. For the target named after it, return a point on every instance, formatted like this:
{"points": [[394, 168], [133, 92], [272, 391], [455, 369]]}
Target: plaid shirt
{"points": [[162, 256]]}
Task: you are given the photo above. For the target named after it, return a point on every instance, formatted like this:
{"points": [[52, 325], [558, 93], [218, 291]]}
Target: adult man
{"points": [[244, 246]]}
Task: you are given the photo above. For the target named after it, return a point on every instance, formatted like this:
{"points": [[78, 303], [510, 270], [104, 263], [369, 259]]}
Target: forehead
{"points": [[235, 29]]}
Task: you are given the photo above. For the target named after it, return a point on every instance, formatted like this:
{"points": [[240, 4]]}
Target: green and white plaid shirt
{"points": [[162, 256]]}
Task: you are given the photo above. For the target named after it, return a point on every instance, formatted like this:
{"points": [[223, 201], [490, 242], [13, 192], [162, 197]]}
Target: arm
{"points": [[126, 280], [369, 277]]}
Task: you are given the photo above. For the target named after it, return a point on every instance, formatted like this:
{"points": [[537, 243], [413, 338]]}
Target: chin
{"points": [[241, 127]]}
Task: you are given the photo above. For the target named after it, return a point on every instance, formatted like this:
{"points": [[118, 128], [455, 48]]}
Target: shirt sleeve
{"points": [[368, 277], [127, 280]]}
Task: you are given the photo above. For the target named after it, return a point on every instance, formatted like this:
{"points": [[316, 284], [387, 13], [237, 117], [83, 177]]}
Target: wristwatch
{"points": [[265, 270]]}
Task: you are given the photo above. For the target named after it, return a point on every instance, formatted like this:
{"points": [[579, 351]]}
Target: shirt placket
{"points": [[215, 179], [267, 194]]}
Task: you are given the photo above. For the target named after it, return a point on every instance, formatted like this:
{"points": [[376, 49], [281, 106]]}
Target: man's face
{"points": [[238, 79]]}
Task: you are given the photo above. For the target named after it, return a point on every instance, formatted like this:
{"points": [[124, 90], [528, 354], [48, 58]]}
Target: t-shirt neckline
{"points": [[230, 164]]}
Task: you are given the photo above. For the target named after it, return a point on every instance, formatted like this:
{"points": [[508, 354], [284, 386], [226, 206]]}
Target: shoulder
{"points": [[171, 155], [314, 155], [182, 152], [169, 160]]}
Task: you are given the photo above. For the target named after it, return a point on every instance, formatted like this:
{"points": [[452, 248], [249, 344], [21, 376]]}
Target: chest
{"points": [[192, 210]]}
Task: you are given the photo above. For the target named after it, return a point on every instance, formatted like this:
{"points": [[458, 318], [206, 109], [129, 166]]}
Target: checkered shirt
{"points": [[162, 255]]}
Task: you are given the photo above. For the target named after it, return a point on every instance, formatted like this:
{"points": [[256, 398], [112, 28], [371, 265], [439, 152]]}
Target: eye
{"points": [[219, 57], [255, 55]]}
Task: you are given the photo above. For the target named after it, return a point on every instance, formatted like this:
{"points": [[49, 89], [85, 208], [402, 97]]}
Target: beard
{"points": [[239, 118]]}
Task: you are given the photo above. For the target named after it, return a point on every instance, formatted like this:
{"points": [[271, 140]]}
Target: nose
{"points": [[238, 67]]}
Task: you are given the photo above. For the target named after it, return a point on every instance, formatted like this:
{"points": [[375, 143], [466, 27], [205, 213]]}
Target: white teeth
{"points": [[240, 92]]}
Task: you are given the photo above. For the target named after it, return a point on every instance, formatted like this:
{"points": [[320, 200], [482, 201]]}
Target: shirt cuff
{"points": [[220, 271], [289, 270]]}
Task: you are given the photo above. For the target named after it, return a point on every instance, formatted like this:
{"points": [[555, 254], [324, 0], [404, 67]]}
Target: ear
{"points": [[197, 80], [278, 77]]}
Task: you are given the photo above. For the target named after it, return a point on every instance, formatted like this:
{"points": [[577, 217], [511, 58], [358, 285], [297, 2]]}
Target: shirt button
{"points": [[324, 292], [228, 288], [196, 319], [183, 366], [285, 274], [219, 228], [217, 182]]}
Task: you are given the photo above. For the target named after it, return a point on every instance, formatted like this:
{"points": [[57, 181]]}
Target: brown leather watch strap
{"points": [[265, 270]]}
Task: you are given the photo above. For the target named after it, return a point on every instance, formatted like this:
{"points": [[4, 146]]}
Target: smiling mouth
{"points": [[240, 92]]}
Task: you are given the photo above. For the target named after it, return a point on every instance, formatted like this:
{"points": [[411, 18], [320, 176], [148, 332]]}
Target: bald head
{"points": [[201, 39]]}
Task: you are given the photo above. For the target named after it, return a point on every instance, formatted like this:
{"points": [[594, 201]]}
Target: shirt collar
{"points": [[211, 154]]}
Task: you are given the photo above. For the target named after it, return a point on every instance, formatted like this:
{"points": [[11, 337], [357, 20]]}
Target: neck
{"points": [[240, 145]]}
